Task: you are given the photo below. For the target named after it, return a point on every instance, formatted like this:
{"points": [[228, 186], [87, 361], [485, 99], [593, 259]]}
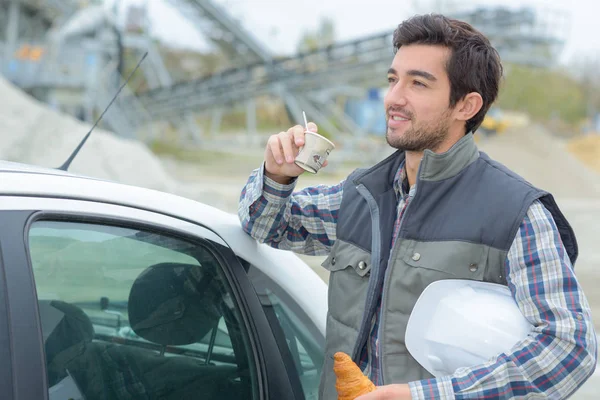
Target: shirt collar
{"points": [[401, 186]]}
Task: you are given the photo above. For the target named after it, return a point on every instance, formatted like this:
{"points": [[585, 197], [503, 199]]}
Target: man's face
{"points": [[418, 100]]}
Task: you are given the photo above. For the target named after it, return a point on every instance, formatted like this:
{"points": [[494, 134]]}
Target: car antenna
{"points": [[67, 163]]}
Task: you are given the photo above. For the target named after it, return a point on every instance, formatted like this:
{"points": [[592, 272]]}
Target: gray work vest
{"points": [[460, 225]]}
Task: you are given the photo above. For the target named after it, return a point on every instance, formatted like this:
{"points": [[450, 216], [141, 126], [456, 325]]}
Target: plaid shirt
{"points": [[553, 363]]}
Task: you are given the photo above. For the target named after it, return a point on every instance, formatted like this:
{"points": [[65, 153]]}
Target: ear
{"points": [[469, 106]]}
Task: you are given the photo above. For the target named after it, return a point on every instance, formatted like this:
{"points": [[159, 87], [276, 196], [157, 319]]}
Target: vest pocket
{"points": [[451, 259], [348, 282], [346, 255]]}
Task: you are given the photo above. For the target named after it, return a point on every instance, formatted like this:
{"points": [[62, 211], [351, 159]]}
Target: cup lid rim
{"points": [[322, 137]]}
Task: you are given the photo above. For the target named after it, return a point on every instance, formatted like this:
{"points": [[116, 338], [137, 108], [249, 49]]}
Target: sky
{"points": [[279, 24]]}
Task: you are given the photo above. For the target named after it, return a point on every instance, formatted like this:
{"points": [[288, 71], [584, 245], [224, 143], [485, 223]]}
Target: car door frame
{"points": [[28, 370]]}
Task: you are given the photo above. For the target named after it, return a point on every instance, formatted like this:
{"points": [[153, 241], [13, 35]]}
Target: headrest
{"points": [[174, 304]]}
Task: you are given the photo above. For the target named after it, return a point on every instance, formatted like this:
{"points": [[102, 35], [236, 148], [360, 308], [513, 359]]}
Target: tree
{"points": [[543, 94], [324, 36], [587, 71]]}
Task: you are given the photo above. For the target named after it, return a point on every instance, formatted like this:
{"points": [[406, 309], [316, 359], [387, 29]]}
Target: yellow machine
{"points": [[493, 122]]}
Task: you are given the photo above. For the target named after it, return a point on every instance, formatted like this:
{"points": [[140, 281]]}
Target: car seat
{"points": [[175, 304], [66, 330]]}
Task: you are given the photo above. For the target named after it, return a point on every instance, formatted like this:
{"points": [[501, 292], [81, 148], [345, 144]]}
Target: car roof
{"points": [[288, 270], [10, 166], [30, 180]]}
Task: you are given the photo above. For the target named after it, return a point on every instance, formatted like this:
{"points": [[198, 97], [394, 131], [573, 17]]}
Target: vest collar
{"points": [[433, 167], [437, 167]]}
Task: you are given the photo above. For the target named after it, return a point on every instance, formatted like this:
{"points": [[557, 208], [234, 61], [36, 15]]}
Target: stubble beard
{"points": [[419, 138]]}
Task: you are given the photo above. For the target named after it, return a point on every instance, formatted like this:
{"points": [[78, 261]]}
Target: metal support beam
{"points": [[32, 28], [3, 21], [158, 64], [215, 124], [154, 68], [12, 28], [223, 26], [182, 131], [251, 117], [230, 25], [347, 124], [298, 103], [193, 128]]}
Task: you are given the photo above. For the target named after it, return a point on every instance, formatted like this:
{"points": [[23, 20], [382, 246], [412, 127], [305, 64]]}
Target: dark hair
{"points": [[474, 65]]}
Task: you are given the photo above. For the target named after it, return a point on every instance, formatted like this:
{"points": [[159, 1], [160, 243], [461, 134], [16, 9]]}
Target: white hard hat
{"points": [[462, 323]]}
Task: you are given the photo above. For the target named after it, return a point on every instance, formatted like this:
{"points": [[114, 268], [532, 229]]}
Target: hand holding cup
{"points": [[291, 153]]}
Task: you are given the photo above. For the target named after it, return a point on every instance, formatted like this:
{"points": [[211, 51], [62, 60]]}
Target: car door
{"points": [[113, 302], [301, 342]]}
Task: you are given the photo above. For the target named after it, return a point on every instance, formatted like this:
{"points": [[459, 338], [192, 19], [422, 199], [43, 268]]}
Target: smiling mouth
{"points": [[397, 118]]}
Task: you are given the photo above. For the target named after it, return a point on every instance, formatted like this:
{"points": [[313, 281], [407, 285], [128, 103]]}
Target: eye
{"points": [[419, 83], [391, 79]]}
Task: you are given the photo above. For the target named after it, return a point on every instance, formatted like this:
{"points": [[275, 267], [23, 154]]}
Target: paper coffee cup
{"points": [[315, 151]]}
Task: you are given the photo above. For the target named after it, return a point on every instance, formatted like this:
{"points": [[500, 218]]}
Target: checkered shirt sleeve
{"points": [[560, 354], [302, 221]]}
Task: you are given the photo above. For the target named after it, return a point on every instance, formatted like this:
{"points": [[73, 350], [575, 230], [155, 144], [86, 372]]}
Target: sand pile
{"points": [[587, 150], [545, 161], [32, 133]]}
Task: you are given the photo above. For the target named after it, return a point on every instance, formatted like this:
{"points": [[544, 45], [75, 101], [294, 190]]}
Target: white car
{"points": [[111, 291]]}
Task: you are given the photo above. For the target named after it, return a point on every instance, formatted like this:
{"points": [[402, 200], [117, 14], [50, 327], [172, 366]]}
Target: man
{"points": [[436, 209]]}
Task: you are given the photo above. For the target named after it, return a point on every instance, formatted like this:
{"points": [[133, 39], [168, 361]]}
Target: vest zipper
{"points": [[366, 323], [386, 280]]}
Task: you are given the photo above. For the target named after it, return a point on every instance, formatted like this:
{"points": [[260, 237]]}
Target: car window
{"points": [[304, 341], [129, 313]]}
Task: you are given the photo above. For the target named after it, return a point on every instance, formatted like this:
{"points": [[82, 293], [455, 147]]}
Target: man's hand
{"points": [[388, 392], [281, 151]]}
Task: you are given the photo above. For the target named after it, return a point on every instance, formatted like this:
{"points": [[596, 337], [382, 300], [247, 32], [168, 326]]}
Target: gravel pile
{"points": [[33, 133]]}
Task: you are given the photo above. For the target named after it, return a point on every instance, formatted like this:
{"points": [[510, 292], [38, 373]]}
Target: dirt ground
{"points": [[587, 148]]}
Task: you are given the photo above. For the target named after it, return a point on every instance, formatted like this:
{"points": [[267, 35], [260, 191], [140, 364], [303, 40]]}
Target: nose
{"points": [[395, 96]]}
